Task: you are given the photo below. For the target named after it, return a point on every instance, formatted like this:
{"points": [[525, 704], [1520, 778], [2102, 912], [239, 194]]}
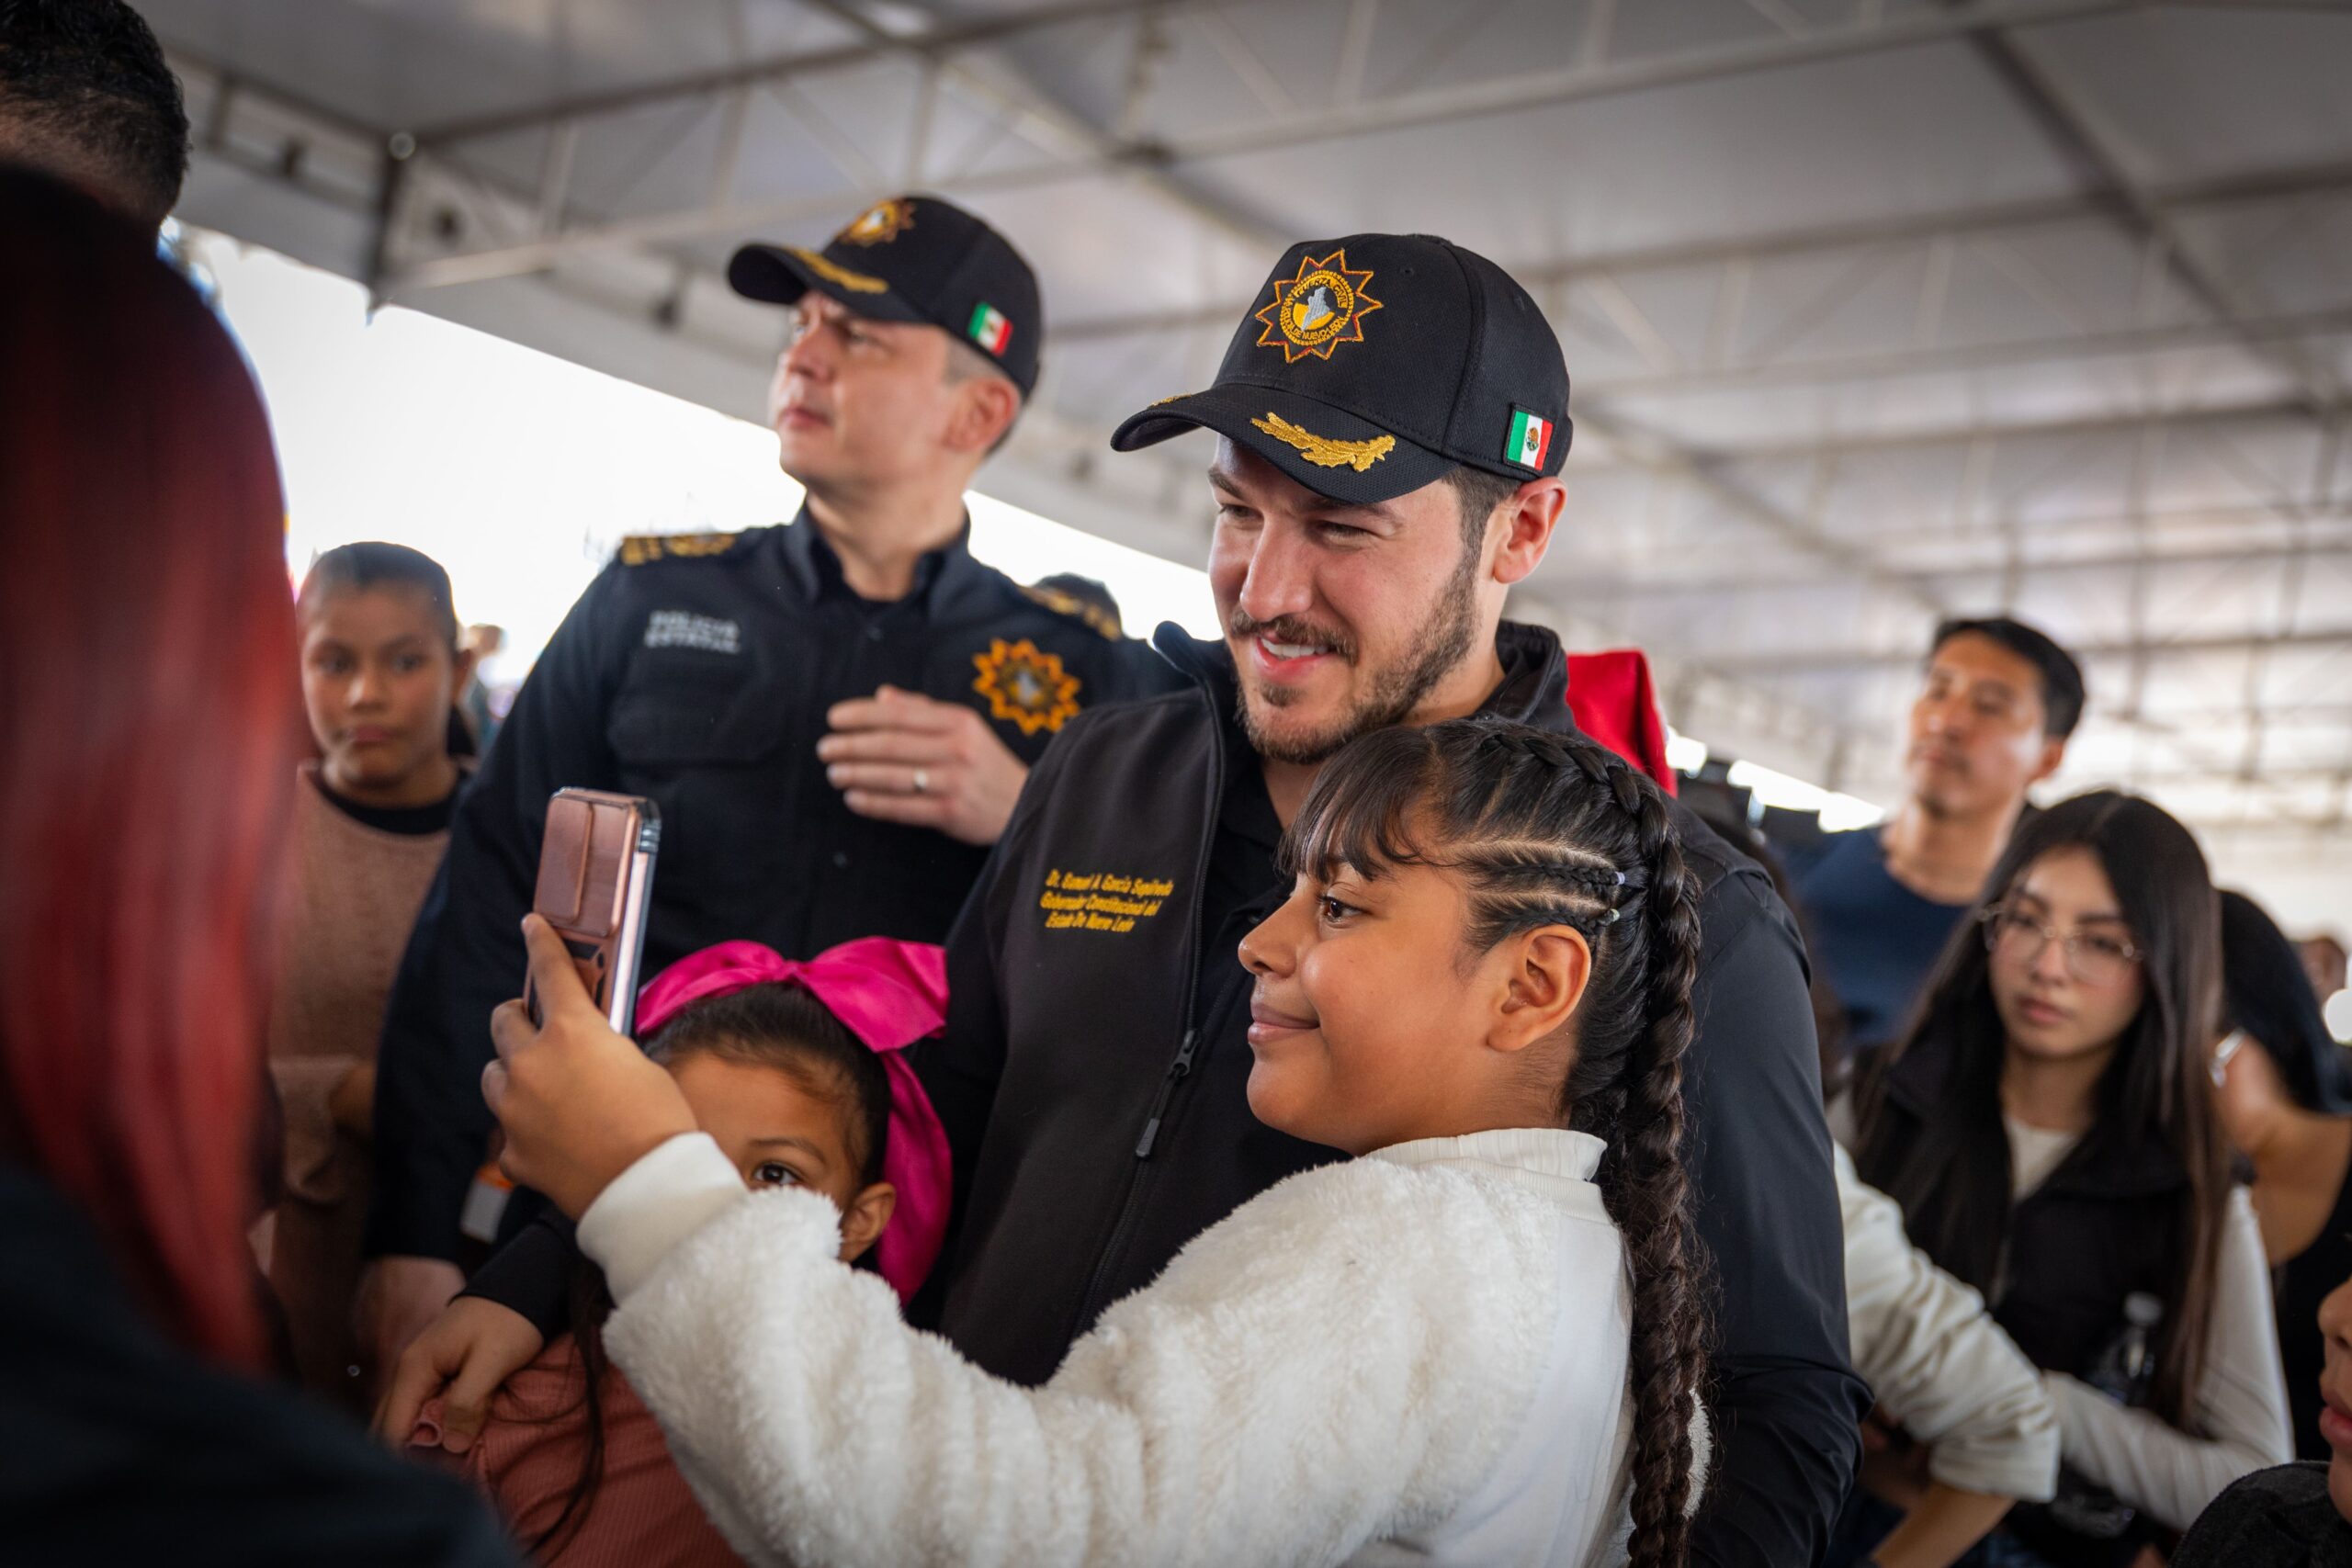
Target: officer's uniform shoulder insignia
{"points": [[640, 549], [1077, 609], [1025, 685]]}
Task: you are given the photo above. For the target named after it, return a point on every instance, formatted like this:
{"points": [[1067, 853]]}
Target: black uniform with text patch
{"points": [[697, 672]]}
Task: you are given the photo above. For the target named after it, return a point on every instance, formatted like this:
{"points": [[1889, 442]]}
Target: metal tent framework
{"points": [[1877, 309]]}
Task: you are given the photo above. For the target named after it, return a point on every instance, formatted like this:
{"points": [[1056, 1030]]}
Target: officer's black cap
{"points": [[1372, 365], [914, 258]]}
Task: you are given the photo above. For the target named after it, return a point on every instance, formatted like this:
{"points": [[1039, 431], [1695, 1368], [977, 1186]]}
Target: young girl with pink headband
{"points": [[796, 1070]]}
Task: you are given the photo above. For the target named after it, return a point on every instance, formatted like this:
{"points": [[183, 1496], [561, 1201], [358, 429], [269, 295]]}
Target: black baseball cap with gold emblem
{"points": [[914, 258], [1372, 365]]}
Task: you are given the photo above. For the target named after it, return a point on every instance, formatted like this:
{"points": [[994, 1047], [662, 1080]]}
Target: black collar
{"points": [[1534, 688], [2111, 1162], [816, 569]]}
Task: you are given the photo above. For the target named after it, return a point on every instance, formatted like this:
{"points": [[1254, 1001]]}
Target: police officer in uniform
{"points": [[1392, 415], [834, 717]]}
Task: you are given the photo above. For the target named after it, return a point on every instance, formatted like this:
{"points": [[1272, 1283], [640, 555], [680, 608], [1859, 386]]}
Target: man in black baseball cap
{"points": [[1392, 416], [914, 259], [1416, 386], [834, 717]]}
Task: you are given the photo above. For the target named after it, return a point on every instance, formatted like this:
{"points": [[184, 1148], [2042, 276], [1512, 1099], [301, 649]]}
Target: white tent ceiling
{"points": [[1877, 309]]}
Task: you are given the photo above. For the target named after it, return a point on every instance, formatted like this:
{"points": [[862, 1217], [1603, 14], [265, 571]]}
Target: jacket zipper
{"points": [[1177, 1069], [1130, 1204]]}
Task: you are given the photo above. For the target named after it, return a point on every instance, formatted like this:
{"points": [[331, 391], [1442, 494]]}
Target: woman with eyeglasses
{"points": [[2287, 1106], [2047, 1125]]}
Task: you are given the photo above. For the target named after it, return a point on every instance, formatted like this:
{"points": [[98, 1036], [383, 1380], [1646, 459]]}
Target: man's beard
{"points": [[1439, 645]]}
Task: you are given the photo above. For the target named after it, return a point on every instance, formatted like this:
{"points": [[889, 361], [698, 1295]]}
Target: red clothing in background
{"points": [[1613, 702]]}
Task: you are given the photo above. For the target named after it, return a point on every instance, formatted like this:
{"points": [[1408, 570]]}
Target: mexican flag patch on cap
{"points": [[1530, 438], [989, 328]]}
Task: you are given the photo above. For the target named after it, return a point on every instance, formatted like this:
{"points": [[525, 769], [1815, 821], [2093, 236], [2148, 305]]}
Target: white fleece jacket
{"points": [[1416, 1356]]}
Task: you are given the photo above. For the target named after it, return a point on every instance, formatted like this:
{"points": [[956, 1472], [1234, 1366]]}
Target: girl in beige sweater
{"points": [[381, 666]]}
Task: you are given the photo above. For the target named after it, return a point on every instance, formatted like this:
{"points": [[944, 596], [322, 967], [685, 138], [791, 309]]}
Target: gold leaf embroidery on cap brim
{"points": [[1323, 452], [832, 272]]}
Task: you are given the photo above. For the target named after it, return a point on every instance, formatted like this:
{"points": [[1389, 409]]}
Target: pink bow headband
{"points": [[889, 994]]}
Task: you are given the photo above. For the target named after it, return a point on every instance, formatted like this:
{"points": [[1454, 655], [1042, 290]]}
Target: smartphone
{"points": [[595, 887]]}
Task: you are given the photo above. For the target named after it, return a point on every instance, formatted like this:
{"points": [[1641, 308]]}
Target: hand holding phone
{"points": [[596, 886], [579, 1102]]}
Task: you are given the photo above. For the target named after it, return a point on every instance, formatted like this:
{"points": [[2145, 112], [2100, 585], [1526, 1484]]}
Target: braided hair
{"points": [[1555, 829]]}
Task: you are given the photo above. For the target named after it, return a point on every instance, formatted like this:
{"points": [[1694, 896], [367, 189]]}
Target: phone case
{"points": [[595, 883]]}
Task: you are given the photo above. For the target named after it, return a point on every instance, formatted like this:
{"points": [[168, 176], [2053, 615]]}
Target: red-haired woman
{"points": [[147, 709]]}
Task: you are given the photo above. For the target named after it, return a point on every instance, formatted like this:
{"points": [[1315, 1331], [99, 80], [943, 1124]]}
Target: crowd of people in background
{"points": [[1325, 1093]]}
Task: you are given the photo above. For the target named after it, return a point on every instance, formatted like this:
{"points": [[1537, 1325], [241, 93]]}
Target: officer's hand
{"points": [[580, 1103], [903, 757]]}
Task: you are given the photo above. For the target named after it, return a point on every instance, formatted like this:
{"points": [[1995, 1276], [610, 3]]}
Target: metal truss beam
{"points": [[1544, 89], [1345, 118], [1948, 223], [1052, 122], [2078, 138], [1111, 154], [878, 43], [1726, 584], [1583, 459], [1801, 532], [1832, 661], [1885, 364]]}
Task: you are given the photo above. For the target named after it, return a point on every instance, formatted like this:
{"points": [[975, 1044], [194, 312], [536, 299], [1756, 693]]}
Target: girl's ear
{"points": [[1548, 970], [863, 1221]]}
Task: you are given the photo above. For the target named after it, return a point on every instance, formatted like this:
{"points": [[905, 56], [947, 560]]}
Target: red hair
{"points": [[148, 700]]}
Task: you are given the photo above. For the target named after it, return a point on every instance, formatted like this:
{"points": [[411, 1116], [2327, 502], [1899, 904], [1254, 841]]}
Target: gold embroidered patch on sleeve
{"points": [[882, 221], [833, 272], [1323, 451], [639, 549], [1025, 686]]}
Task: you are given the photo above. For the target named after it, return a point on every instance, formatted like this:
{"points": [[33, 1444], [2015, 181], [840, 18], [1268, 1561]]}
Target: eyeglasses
{"points": [[2092, 957]]}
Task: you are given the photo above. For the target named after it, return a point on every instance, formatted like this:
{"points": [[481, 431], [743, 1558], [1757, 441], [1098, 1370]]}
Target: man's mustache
{"points": [[1294, 629]]}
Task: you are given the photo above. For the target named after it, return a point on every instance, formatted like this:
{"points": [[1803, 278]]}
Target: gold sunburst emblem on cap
{"points": [[1324, 451], [882, 221], [1025, 685], [1323, 306]]}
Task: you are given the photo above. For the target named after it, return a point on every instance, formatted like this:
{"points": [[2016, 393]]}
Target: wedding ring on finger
{"points": [[923, 782]]}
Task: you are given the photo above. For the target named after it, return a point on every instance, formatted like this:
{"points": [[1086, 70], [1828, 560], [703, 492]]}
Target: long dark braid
{"points": [[1553, 829]]}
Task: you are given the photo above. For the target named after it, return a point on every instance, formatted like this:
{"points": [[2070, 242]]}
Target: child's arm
{"points": [[1940, 1367], [1342, 1358], [1941, 1525]]}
